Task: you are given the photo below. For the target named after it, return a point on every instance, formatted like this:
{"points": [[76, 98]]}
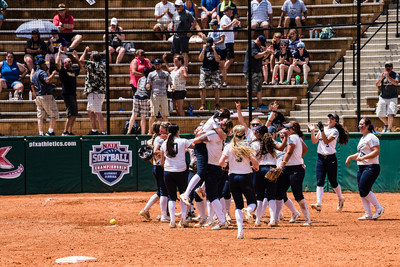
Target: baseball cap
{"points": [[288, 125], [272, 129], [284, 42], [228, 8], [301, 44], [178, 3], [335, 116], [213, 22], [388, 64], [210, 41], [261, 129], [157, 61], [262, 39], [40, 61], [114, 21]]}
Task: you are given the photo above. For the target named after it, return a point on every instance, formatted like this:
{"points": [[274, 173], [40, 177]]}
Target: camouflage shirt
{"points": [[95, 80]]}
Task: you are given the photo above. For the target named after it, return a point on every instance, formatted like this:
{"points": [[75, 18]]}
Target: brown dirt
{"points": [[35, 232]]}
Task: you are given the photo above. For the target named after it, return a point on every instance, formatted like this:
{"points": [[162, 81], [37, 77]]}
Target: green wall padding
{"points": [[12, 166]]}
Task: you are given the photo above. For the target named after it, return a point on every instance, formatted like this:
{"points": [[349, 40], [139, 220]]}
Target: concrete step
{"points": [[333, 100], [329, 106]]}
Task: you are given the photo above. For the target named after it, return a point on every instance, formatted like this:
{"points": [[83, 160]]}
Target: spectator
{"points": [[258, 52], [10, 75], [164, 12], [157, 82], [182, 22], [276, 42], [194, 10], [179, 75], [34, 46], [209, 72], [284, 59], [141, 103], [43, 92], [68, 75], [65, 23], [228, 24], [220, 12], [219, 41], [261, 16], [95, 87], [301, 63], [388, 97], [275, 118], [293, 40], [209, 8], [295, 14], [136, 68], [3, 7], [55, 44], [116, 37]]}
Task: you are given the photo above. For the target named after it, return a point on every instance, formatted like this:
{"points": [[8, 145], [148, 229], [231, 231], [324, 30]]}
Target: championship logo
{"points": [[110, 161], [6, 164]]}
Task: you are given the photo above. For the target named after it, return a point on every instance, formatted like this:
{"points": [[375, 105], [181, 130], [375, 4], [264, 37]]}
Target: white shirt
{"points": [[177, 80], [260, 11], [229, 36], [328, 149], [160, 9], [236, 165], [250, 136], [177, 163], [364, 147], [280, 155], [157, 141], [214, 147], [267, 158], [210, 124], [295, 159]]}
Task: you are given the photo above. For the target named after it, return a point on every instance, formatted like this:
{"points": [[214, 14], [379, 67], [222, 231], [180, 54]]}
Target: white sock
{"points": [[272, 208], [94, 130], [367, 206], [374, 201], [228, 205], [338, 191], [279, 206], [304, 209], [289, 205], [239, 220], [203, 186], [51, 130], [193, 182], [184, 210], [201, 207], [171, 208], [259, 210], [209, 208], [218, 210], [164, 205], [41, 133], [153, 199], [222, 201], [320, 193], [264, 206], [251, 207]]}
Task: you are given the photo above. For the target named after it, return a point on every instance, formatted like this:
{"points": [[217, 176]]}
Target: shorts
{"points": [[386, 106], [11, 84], [178, 95], [209, 79], [71, 105], [159, 103], [292, 23], [222, 53], [95, 101], [230, 52], [260, 24], [204, 13], [256, 81], [49, 56], [140, 107], [163, 25], [68, 36], [45, 104], [180, 45]]}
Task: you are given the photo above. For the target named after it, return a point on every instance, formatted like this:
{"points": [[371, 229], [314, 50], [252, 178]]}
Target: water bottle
{"points": [[209, 105], [292, 81], [191, 110], [316, 34], [170, 105], [297, 79], [30, 95], [10, 96]]}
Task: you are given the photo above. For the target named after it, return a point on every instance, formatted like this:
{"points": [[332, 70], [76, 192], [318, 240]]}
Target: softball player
{"points": [[326, 160], [239, 155], [367, 157]]}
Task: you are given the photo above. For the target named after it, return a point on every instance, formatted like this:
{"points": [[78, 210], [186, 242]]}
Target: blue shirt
{"points": [[294, 10], [39, 81], [10, 73], [209, 4]]}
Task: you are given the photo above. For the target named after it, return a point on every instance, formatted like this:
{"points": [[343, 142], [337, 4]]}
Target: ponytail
{"points": [[156, 131], [172, 132], [343, 134], [267, 145]]}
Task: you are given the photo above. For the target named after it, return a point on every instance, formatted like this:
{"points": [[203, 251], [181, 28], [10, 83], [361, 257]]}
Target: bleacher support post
{"points": [[342, 95], [250, 59], [107, 68], [358, 61], [397, 19], [387, 29]]}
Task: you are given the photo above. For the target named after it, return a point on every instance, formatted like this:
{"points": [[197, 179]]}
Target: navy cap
{"points": [[288, 125], [210, 41], [262, 39], [40, 61], [272, 129], [334, 116], [213, 22], [157, 61]]}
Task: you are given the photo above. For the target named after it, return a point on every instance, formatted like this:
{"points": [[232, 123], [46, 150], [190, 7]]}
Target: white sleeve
{"points": [[225, 151], [334, 133], [373, 141], [157, 10], [269, 8]]}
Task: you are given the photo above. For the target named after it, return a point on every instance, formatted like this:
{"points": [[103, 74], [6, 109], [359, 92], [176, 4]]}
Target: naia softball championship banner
{"points": [[12, 166]]}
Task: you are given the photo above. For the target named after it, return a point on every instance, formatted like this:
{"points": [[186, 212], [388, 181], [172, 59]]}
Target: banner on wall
{"points": [[12, 166]]}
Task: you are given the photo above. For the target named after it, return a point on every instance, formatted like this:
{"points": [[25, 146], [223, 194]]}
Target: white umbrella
{"points": [[44, 27]]}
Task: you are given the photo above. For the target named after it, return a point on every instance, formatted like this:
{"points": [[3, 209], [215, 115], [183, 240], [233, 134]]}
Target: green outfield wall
{"points": [[75, 164]]}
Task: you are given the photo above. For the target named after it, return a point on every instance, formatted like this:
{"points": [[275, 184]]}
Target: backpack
{"points": [[135, 128], [327, 33], [129, 47]]}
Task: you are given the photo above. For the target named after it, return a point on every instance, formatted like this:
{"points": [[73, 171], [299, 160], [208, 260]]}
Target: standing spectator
{"points": [[140, 103], [301, 63], [221, 9], [68, 75], [95, 87], [388, 97], [179, 75], [157, 82], [65, 23], [261, 16], [43, 92], [116, 37], [10, 75], [3, 7], [219, 41], [284, 59], [194, 10], [182, 22], [258, 53], [34, 46], [275, 118], [293, 40], [209, 72], [228, 24], [295, 14], [209, 8], [55, 44], [164, 12], [136, 68]]}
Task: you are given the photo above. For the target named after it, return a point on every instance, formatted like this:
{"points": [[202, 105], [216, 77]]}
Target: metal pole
{"points": [[387, 29], [249, 61], [107, 68], [397, 19], [358, 61], [308, 107], [343, 95], [354, 66]]}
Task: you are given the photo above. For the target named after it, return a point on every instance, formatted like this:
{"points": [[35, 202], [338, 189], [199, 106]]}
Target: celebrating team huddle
{"points": [[253, 164]]}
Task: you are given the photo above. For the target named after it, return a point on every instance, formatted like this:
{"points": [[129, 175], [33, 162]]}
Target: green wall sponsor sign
{"points": [[12, 166]]}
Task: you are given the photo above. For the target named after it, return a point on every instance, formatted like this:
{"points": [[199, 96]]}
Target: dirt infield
{"points": [[36, 230]]}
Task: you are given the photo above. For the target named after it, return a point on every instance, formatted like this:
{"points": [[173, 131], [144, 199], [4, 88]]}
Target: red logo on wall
{"points": [[6, 164]]}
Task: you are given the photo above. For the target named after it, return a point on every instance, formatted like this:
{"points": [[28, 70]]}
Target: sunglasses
{"points": [[300, 47], [255, 124], [284, 45], [278, 36]]}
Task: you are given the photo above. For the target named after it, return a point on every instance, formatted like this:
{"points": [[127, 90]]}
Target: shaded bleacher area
{"points": [[19, 117]]}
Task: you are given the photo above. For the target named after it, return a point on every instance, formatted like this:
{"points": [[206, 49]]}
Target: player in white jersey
{"points": [[326, 159], [367, 157], [250, 136]]}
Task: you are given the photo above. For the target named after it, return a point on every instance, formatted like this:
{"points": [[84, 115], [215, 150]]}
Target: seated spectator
{"points": [[275, 118], [261, 16], [284, 59], [293, 40], [219, 41], [34, 46], [3, 7], [221, 7], [65, 23], [301, 63], [209, 8], [55, 44], [193, 10], [115, 38], [164, 12], [295, 14], [10, 75], [276, 42], [136, 68]]}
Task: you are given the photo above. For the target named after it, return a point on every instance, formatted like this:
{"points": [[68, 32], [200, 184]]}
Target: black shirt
{"points": [[221, 12], [209, 62], [256, 64], [35, 45], [68, 80], [39, 81]]}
